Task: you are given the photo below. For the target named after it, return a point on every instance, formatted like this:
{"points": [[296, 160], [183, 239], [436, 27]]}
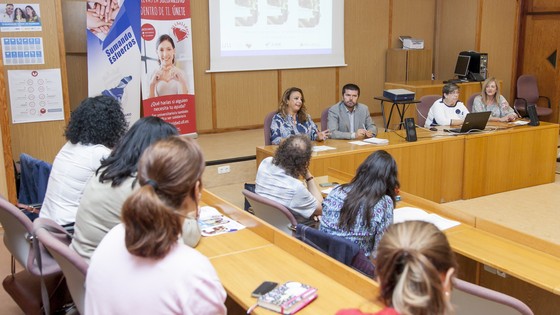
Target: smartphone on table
{"points": [[263, 288]]}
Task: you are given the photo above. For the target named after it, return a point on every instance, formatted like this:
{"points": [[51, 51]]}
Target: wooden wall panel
{"points": [[413, 18], [7, 178], [497, 38], [318, 85], [43, 139], [366, 31], [74, 21], [244, 98], [77, 90], [456, 27], [545, 5], [201, 56], [542, 38], [447, 26]]}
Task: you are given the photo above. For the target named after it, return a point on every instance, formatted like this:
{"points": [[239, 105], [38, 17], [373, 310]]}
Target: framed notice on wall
{"points": [[35, 95]]}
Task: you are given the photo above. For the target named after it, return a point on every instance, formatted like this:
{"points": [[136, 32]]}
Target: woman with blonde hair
{"points": [[292, 119], [415, 266], [490, 100], [141, 267]]}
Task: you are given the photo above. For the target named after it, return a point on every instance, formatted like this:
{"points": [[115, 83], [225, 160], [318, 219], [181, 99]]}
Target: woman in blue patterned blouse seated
{"points": [[292, 119], [362, 210]]}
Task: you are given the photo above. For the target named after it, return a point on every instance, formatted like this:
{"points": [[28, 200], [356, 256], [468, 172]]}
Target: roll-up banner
{"points": [[113, 52], [167, 62]]}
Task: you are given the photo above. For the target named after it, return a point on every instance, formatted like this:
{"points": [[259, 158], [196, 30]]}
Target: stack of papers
{"points": [[415, 214], [376, 140], [318, 148], [212, 222]]}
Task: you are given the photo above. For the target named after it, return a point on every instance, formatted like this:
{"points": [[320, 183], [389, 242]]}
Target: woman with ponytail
{"points": [[415, 267], [141, 266]]}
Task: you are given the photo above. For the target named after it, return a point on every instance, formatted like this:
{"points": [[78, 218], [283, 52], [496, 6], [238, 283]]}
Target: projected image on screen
{"points": [[291, 26], [272, 28]]}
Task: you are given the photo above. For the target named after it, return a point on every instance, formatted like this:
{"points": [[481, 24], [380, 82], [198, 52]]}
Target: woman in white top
{"points": [[94, 128], [168, 79], [141, 267], [490, 100], [448, 110]]}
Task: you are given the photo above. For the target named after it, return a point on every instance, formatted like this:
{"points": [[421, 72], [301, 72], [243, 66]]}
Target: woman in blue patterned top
{"points": [[362, 210], [292, 119]]}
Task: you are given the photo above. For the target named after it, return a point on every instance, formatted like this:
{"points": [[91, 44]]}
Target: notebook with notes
{"points": [[473, 122]]}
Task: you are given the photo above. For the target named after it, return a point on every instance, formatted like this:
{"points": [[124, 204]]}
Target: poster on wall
{"points": [[20, 17], [35, 95], [23, 51], [167, 63], [113, 46]]}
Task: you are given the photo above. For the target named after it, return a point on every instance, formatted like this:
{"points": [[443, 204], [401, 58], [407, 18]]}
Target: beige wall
{"points": [[240, 100]]}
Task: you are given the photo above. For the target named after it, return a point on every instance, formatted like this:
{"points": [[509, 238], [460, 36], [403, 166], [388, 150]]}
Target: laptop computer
{"points": [[473, 122]]}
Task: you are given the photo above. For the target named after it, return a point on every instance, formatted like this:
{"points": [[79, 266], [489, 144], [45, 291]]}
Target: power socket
{"points": [[224, 169]]}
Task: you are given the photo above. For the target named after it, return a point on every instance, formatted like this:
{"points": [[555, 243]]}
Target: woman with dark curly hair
{"points": [[362, 210], [94, 128], [278, 179], [115, 180], [292, 119]]}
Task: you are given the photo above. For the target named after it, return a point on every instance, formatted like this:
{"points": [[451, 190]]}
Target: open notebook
{"points": [[415, 214]]}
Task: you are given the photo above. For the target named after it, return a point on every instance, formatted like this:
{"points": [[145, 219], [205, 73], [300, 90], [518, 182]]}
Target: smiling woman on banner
{"points": [[168, 79]]}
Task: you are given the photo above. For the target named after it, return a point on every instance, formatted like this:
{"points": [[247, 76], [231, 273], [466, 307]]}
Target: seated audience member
{"points": [[278, 179], [349, 119], [415, 267], [141, 267], [448, 110], [362, 210], [94, 128], [292, 119], [490, 100], [105, 193]]}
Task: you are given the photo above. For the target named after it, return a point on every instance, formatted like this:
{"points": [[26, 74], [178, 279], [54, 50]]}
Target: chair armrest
{"points": [[546, 97]]}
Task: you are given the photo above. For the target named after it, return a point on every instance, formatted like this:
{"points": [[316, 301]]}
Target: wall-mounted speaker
{"points": [[410, 128], [532, 111]]}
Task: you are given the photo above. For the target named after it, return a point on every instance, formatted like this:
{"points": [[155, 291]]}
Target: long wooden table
{"points": [[442, 167], [245, 258], [260, 252]]}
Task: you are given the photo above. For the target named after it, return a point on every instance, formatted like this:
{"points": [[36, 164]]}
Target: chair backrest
{"points": [[74, 267], [527, 88], [324, 119], [470, 101], [339, 248], [469, 298], [423, 108], [266, 127], [18, 231], [271, 211]]}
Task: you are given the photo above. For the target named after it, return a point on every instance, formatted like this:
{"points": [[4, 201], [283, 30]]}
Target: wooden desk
{"points": [[509, 159], [245, 258], [442, 167], [430, 168], [518, 267]]}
